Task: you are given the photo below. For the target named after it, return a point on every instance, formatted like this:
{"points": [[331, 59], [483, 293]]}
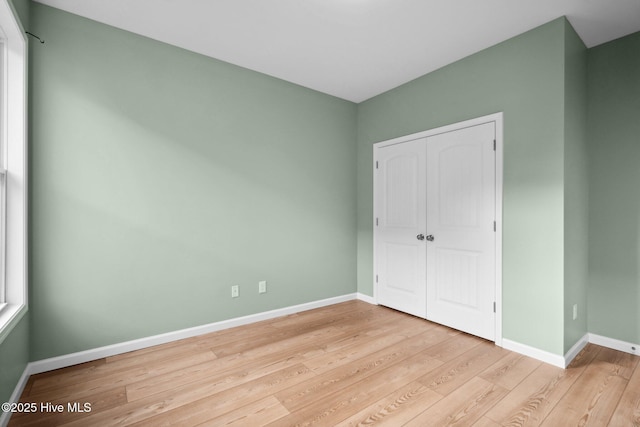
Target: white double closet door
{"points": [[435, 239]]}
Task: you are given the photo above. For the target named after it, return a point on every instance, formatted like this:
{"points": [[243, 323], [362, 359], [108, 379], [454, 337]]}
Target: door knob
{"points": [[430, 237], [420, 237]]}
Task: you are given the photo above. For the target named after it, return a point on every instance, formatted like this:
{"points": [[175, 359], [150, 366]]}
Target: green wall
{"points": [[614, 198], [22, 9], [576, 227], [524, 78], [159, 178]]}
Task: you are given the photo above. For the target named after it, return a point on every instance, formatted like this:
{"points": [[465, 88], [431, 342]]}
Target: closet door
{"points": [[400, 249], [460, 176]]}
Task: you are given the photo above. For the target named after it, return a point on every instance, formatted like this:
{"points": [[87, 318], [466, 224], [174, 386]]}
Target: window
{"points": [[13, 185], [3, 178]]}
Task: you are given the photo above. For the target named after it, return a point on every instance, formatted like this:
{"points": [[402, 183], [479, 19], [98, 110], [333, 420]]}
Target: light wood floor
{"points": [[347, 364]]}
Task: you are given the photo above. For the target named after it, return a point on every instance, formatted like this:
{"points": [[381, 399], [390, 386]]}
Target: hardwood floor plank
{"points": [[232, 335], [585, 357], [454, 347], [622, 364], [258, 413], [331, 360], [451, 375], [333, 408], [325, 315], [285, 352], [196, 409], [389, 327], [108, 378], [266, 336], [627, 412], [79, 385], [265, 329], [150, 357], [161, 351], [212, 374], [486, 422], [532, 400], [396, 408], [113, 398], [361, 338], [27, 388], [594, 397], [463, 407], [64, 376], [316, 338], [87, 366], [509, 371], [355, 370], [195, 404], [271, 333], [529, 403], [274, 354], [340, 370]]}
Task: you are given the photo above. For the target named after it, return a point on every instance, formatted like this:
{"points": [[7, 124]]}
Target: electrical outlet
{"points": [[575, 311], [235, 291], [262, 286]]}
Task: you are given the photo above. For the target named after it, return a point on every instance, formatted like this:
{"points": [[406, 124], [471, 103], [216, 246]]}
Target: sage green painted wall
{"points": [[576, 227], [14, 345], [524, 78], [22, 9], [614, 198], [161, 177]]}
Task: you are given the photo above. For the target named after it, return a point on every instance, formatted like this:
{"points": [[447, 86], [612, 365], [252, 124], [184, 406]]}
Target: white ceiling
{"points": [[353, 49]]}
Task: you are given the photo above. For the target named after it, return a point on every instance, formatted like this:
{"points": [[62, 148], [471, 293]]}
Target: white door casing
{"points": [[459, 195]]}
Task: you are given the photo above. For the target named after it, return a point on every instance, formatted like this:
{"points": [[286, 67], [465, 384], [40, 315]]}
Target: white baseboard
{"points": [[124, 347], [573, 351], [536, 353], [615, 344], [563, 362], [366, 298]]}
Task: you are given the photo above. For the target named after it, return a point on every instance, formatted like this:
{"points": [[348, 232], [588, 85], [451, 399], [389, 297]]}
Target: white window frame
{"points": [[13, 165]]}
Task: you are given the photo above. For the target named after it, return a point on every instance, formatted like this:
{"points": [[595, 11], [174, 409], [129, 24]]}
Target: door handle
{"points": [[420, 237], [430, 237]]}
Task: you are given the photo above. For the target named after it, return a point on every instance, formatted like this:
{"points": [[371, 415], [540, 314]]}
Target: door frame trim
{"points": [[498, 120]]}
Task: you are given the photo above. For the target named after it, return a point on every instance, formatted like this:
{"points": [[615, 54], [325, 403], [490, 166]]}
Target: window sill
{"points": [[10, 315]]}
